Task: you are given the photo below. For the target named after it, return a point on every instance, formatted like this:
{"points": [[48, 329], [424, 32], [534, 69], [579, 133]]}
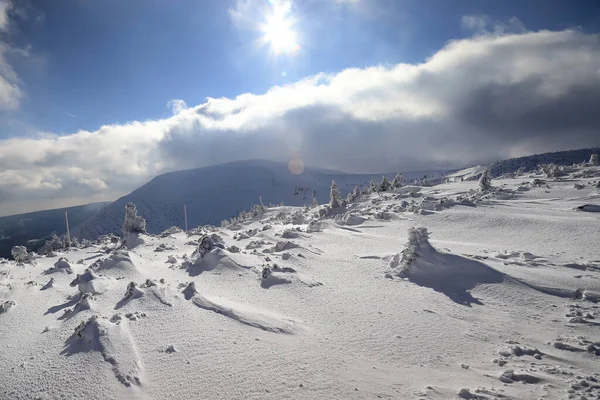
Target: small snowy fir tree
{"points": [[335, 196], [397, 182], [551, 170], [373, 187], [353, 195], [133, 223], [385, 184], [485, 182], [19, 253], [594, 159]]}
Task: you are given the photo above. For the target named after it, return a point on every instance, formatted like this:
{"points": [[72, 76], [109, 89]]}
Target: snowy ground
{"points": [[500, 303]]}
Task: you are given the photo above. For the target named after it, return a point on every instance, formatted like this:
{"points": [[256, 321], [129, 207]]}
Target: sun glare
{"points": [[278, 29]]}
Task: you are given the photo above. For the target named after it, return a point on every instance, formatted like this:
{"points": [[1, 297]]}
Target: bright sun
{"points": [[278, 29]]}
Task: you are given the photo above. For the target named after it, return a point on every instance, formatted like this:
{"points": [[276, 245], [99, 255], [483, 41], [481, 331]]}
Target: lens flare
{"points": [[296, 166], [278, 29]]}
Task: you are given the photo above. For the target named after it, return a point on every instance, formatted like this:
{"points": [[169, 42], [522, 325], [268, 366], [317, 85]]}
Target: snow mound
{"points": [[86, 282], [62, 265], [5, 305], [216, 259], [349, 220], [247, 315], [113, 341], [449, 274], [132, 292], [119, 262], [270, 278]]}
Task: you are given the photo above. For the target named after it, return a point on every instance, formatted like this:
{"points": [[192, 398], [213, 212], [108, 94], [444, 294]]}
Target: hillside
{"points": [[434, 293], [221, 192], [19, 229]]}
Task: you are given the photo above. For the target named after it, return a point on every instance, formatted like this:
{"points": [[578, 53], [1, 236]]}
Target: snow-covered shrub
{"points": [[335, 196], [385, 184], [416, 237], [205, 245], [19, 254], [373, 187], [51, 245], [551, 170], [594, 159], [353, 195], [133, 223], [485, 182], [398, 181]]}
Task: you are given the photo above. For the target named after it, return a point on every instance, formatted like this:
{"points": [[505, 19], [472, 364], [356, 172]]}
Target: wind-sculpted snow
{"points": [[490, 295]]}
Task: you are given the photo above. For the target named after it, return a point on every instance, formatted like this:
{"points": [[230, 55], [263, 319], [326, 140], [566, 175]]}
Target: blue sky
{"points": [[97, 97], [114, 61]]}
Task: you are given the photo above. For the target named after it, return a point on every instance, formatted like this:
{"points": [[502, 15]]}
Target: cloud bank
{"points": [[495, 95]]}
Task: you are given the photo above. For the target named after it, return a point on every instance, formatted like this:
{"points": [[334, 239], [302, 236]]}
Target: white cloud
{"points": [[491, 96], [10, 93]]}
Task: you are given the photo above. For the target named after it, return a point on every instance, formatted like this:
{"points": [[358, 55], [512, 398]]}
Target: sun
{"points": [[278, 29]]}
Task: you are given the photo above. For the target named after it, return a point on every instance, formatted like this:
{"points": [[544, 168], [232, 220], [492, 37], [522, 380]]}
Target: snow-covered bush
{"points": [[133, 223], [373, 187], [335, 196], [398, 181], [416, 236], [385, 184], [551, 170], [19, 254], [485, 182], [51, 245], [594, 159], [205, 245], [353, 195]]}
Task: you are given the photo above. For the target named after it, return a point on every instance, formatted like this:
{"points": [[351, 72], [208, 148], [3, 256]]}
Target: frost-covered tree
{"points": [[19, 253], [485, 182], [353, 195], [398, 180], [373, 187], [335, 197], [385, 184], [594, 159], [52, 244], [551, 170], [133, 223]]}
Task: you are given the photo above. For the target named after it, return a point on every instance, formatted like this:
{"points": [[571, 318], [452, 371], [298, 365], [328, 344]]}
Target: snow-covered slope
{"points": [[221, 192], [421, 293]]}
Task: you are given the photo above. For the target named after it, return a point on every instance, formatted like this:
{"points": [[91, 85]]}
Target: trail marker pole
{"points": [[185, 216], [68, 233]]}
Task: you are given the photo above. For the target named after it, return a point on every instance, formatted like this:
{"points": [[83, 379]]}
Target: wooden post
{"points": [[185, 216], [68, 233]]}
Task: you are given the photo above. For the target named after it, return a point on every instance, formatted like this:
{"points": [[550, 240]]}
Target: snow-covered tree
{"points": [[594, 159], [335, 200], [19, 253], [485, 182], [133, 223], [353, 195], [398, 181], [385, 184], [52, 244], [551, 170], [373, 187]]}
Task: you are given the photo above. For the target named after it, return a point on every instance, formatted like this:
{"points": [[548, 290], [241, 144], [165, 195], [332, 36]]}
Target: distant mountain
{"points": [[221, 192], [530, 163], [19, 229]]}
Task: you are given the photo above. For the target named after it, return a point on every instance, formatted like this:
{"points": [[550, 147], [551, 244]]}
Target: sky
{"points": [[96, 98]]}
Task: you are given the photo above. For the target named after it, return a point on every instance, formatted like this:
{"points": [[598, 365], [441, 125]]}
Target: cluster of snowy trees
{"points": [[335, 196]]}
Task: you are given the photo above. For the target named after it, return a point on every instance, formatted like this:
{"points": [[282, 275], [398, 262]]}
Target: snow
{"points": [[454, 294]]}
